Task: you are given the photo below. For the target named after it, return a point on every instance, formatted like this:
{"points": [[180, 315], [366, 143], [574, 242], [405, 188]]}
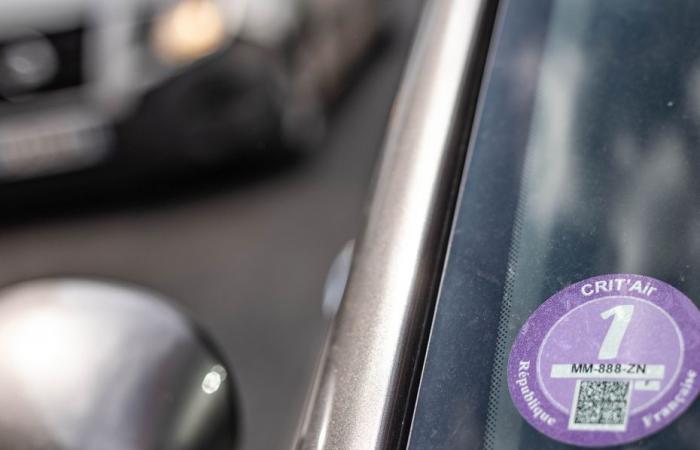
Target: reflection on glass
{"points": [[583, 162], [607, 183]]}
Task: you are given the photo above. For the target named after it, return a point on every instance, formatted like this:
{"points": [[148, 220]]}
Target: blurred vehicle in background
{"points": [[95, 86]]}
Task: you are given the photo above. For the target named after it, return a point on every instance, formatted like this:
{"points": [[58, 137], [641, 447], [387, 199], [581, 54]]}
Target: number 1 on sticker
{"points": [[622, 315]]}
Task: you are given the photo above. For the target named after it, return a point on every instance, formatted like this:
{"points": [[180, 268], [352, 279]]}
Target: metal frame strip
{"points": [[363, 397]]}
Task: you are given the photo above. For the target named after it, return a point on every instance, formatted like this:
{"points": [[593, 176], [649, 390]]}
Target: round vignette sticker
{"points": [[607, 361]]}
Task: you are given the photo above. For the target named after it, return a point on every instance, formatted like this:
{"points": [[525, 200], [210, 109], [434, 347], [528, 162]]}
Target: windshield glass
{"points": [[583, 163]]}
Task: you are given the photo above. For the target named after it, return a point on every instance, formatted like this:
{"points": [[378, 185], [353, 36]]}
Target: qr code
{"points": [[600, 405]]}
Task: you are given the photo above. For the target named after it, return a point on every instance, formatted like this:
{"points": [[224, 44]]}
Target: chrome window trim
{"points": [[362, 399]]}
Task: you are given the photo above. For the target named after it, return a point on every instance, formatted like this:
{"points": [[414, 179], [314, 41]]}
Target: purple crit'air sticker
{"points": [[607, 361]]}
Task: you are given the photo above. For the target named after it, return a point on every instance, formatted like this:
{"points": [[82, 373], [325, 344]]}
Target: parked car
{"points": [[138, 86]]}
